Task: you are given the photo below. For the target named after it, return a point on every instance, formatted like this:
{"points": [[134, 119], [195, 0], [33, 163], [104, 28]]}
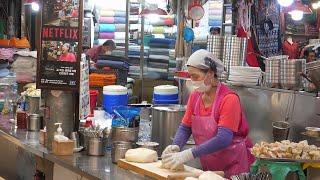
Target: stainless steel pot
{"points": [[119, 149], [125, 134], [35, 122], [95, 147], [165, 122]]}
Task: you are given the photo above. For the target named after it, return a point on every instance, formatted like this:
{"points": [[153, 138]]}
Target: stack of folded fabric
{"points": [[159, 56], [172, 64], [100, 80], [25, 66], [244, 75], [112, 20], [215, 11]]}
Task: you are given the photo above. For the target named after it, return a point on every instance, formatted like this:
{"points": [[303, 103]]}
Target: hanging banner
{"points": [[60, 45]]}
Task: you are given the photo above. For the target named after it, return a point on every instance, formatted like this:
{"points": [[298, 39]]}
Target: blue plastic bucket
{"points": [[176, 101], [114, 96], [165, 97]]}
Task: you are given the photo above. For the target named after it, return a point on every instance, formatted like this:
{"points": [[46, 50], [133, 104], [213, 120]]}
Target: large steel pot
{"points": [[165, 122]]}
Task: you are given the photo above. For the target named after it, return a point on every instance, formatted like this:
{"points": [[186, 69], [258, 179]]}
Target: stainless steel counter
{"points": [[87, 166]]}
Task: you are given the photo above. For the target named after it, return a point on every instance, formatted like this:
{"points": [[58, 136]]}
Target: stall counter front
{"points": [[79, 165]]}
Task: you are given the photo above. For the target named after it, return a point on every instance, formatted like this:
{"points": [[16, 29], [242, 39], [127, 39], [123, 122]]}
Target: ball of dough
{"points": [[209, 175], [141, 155]]}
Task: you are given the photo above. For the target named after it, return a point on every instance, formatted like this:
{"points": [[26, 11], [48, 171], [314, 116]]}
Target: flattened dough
{"points": [[179, 168], [209, 175], [141, 155], [191, 178]]}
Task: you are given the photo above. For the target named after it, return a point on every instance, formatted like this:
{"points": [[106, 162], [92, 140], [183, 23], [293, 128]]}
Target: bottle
{"points": [[59, 129]]}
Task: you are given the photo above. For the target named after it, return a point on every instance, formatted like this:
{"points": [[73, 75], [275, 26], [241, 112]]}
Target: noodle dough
{"points": [[141, 155]]}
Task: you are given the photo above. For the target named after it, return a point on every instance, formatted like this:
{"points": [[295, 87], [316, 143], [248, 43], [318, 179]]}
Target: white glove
{"points": [[170, 149], [173, 160]]}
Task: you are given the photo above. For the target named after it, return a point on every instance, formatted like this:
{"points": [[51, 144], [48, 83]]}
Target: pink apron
{"points": [[234, 159]]}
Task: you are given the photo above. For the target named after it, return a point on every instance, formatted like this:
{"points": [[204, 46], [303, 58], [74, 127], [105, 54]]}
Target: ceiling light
{"points": [[296, 15], [35, 6], [285, 3]]}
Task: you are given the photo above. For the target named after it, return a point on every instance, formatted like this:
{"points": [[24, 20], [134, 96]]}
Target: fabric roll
{"points": [[214, 23], [106, 35], [163, 41], [112, 64], [153, 56], [107, 13], [159, 51], [119, 35], [134, 11], [120, 14], [120, 27], [215, 11], [118, 42], [107, 27], [120, 20], [106, 20], [158, 30]]}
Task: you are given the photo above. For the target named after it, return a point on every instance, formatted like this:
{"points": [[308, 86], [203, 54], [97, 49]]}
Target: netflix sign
{"points": [[55, 33]]}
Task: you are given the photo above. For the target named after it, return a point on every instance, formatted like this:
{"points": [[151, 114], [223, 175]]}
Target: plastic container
{"points": [[114, 96], [93, 100], [166, 94], [176, 101]]}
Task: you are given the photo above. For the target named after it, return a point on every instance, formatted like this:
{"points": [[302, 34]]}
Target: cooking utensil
{"points": [[119, 149], [313, 131], [196, 11], [280, 130], [95, 147], [35, 122], [125, 134], [165, 122], [154, 171]]}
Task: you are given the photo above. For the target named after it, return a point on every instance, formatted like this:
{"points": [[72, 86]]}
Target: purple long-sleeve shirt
{"points": [[222, 140]]}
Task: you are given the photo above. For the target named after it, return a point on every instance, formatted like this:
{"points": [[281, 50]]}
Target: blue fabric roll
{"points": [[163, 41], [214, 23], [107, 27], [119, 20], [161, 45], [120, 14], [112, 64]]}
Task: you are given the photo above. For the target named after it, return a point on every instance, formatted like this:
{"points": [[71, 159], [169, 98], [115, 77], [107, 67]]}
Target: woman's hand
{"points": [[174, 160], [170, 149]]}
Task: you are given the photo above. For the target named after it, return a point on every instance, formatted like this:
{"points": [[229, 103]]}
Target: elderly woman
{"points": [[216, 121], [66, 54]]}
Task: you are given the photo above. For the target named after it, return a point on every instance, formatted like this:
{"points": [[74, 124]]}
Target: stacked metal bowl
{"points": [[272, 74], [234, 51], [215, 45], [313, 70], [290, 73]]}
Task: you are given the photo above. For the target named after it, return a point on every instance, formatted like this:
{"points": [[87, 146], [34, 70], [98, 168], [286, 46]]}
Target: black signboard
{"points": [[59, 50]]}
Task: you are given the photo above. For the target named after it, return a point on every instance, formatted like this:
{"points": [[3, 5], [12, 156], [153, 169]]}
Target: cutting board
{"points": [[153, 170]]}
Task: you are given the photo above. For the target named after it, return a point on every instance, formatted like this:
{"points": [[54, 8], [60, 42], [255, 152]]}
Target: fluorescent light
{"points": [[285, 3], [35, 6], [296, 15]]}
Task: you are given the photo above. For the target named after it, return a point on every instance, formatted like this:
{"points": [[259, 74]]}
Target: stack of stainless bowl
{"points": [[215, 45], [290, 72], [272, 74], [234, 51]]}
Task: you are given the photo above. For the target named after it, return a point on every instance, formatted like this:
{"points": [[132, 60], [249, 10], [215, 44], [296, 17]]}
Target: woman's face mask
{"points": [[201, 81]]}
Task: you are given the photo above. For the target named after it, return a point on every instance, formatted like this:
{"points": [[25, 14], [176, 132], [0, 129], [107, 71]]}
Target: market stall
{"points": [[137, 89]]}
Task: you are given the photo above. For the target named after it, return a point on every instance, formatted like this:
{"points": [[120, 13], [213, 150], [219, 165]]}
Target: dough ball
{"points": [[191, 178], [141, 155], [209, 175]]}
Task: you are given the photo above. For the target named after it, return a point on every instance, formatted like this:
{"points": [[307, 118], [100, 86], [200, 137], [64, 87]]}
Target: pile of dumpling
{"points": [[286, 149]]}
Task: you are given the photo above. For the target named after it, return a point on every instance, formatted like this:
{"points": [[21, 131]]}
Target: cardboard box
{"points": [[63, 148]]}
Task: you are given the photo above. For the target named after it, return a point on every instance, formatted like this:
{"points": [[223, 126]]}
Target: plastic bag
{"points": [[125, 116]]}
